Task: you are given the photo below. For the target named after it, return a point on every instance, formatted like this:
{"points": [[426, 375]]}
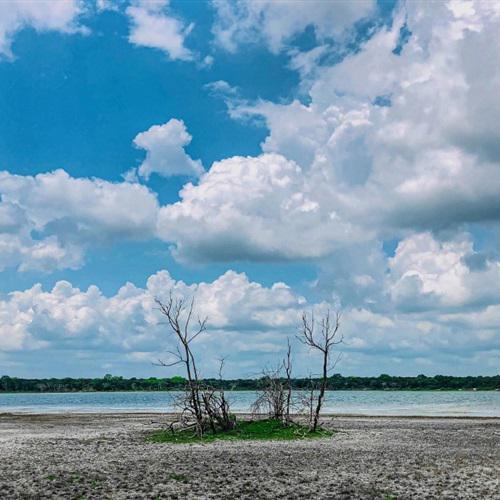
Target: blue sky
{"points": [[81, 114], [266, 158]]}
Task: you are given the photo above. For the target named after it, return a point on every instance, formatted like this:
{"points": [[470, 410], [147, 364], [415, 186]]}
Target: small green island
{"points": [[265, 429]]}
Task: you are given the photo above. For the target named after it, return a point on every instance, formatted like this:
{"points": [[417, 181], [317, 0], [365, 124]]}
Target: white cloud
{"points": [[432, 150], [343, 169], [129, 321], [338, 171], [48, 220], [275, 23], [47, 254], [151, 26], [356, 276], [221, 88], [165, 155], [41, 15], [246, 320], [253, 208], [103, 5], [422, 267], [294, 129], [426, 273]]}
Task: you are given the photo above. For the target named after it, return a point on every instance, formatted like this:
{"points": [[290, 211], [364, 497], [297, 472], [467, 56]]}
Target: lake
{"points": [[425, 403]]}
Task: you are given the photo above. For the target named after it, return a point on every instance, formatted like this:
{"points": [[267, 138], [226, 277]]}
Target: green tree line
{"points": [[336, 382]]}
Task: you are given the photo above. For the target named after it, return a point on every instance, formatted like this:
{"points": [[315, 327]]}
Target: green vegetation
{"points": [[182, 478], [269, 429], [336, 382]]}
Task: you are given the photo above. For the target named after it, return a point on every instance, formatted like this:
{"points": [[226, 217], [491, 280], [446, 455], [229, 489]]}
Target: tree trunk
{"points": [[321, 390]]}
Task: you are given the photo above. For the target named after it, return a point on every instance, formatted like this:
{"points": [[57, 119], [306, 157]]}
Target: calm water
{"points": [[444, 403]]}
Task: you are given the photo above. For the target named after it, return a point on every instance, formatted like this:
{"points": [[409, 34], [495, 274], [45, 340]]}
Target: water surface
{"points": [[424, 403]]}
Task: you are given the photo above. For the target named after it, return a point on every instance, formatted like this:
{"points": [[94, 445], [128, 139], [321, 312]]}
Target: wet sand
{"points": [[107, 456]]}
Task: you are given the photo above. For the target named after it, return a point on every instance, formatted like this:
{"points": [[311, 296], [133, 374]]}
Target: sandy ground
{"points": [[106, 456]]}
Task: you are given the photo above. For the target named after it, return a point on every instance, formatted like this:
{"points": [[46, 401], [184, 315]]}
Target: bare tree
{"points": [[323, 337], [179, 314], [271, 399], [208, 406], [275, 397], [226, 419], [216, 405], [287, 365], [308, 401]]}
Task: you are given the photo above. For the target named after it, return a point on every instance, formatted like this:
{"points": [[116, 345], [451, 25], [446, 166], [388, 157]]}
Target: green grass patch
{"points": [[245, 430], [178, 477]]}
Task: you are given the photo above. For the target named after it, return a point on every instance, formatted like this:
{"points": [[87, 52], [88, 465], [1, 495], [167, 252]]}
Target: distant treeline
{"points": [[336, 382]]}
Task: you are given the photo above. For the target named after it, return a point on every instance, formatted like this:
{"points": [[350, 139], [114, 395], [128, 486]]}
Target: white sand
{"points": [[107, 456]]}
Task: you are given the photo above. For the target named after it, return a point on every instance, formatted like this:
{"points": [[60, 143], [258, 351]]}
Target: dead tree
{"points": [[308, 400], [275, 398], [271, 399], [216, 406], [287, 365], [226, 418], [322, 337], [179, 314], [209, 407]]}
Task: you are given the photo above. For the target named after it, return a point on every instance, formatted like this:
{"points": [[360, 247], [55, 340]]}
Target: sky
{"points": [[264, 158]]}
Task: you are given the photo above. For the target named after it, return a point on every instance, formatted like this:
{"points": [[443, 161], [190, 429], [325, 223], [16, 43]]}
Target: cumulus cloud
{"points": [[153, 26], [399, 135], [427, 273], [41, 15], [47, 254], [356, 276], [248, 315], [342, 169], [165, 154], [48, 220], [258, 208], [251, 320], [275, 23], [330, 164]]}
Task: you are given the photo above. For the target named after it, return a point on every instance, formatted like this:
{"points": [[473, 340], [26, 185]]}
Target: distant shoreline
{"points": [[337, 382], [245, 390]]}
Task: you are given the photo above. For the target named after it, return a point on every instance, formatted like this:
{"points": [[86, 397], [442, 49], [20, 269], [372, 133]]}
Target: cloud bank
{"points": [[246, 320]]}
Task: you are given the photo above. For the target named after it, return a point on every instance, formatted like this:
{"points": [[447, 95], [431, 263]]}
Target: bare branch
{"points": [[173, 363], [324, 340]]}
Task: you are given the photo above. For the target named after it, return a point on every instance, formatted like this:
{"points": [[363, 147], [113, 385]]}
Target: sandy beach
{"points": [[107, 456]]}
